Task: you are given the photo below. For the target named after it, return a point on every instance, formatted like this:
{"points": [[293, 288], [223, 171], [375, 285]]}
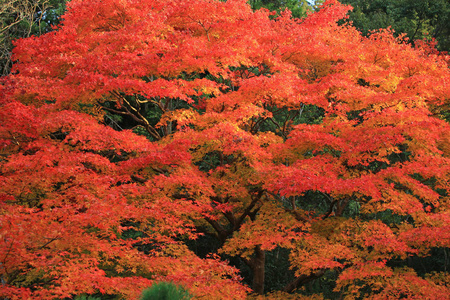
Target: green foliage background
{"points": [[419, 19]]}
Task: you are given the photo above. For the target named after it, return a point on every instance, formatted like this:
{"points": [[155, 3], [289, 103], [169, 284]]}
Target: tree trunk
{"points": [[257, 265]]}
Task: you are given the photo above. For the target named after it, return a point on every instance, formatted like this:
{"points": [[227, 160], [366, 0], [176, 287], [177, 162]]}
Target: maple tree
{"points": [[262, 133]]}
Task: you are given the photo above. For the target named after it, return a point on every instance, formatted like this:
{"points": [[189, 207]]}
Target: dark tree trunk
{"points": [[257, 265]]}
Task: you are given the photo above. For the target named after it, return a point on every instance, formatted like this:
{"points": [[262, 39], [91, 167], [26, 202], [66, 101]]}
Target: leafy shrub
{"points": [[165, 291]]}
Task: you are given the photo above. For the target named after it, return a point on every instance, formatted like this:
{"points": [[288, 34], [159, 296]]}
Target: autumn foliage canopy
{"points": [[140, 127]]}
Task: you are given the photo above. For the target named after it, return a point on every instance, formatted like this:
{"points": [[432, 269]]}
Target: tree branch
{"points": [[136, 115], [301, 280], [222, 234]]}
